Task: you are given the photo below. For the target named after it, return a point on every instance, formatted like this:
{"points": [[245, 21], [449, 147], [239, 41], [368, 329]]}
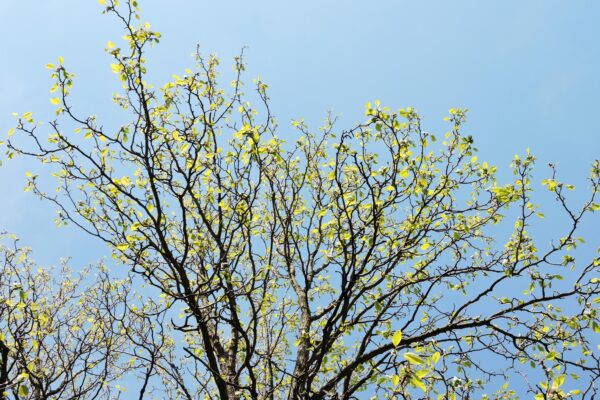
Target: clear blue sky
{"points": [[529, 71]]}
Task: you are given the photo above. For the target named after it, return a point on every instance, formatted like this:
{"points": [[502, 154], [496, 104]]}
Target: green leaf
{"points": [[413, 358], [23, 390], [116, 68], [421, 373], [397, 338], [418, 383], [558, 382]]}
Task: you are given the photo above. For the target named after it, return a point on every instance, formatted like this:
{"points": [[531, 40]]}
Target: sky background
{"points": [[529, 71]]}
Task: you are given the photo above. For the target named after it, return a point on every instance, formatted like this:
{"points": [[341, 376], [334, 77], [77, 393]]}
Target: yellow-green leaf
{"points": [[558, 382], [418, 383], [116, 68], [23, 391], [413, 358], [397, 338]]}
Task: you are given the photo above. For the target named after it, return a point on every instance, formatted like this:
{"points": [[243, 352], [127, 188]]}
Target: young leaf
{"points": [[413, 358], [397, 338]]}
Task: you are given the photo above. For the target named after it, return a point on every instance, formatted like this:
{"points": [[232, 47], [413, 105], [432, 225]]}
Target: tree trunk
{"points": [[3, 371]]}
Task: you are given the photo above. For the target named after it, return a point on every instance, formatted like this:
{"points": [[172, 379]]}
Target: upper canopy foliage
{"points": [[353, 264]]}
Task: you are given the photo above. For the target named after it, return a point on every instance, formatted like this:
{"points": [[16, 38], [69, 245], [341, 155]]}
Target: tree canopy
{"points": [[320, 264]]}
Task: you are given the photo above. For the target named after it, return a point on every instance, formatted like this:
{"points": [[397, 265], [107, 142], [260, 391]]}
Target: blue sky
{"points": [[528, 71]]}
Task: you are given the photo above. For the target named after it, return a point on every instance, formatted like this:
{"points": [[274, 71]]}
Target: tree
{"points": [[67, 336], [55, 341], [335, 265]]}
